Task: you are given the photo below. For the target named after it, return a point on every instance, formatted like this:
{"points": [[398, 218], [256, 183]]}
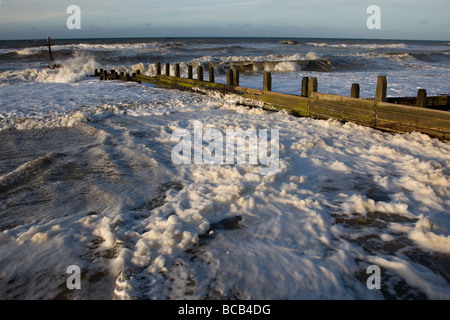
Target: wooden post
{"points": [[211, 74], [312, 86], [167, 69], [236, 77], [138, 72], [122, 76], [354, 93], [105, 75], [158, 68], [267, 82], [230, 77], [380, 94], [96, 73], [305, 87], [190, 72], [113, 74], [200, 73], [422, 98], [177, 70]]}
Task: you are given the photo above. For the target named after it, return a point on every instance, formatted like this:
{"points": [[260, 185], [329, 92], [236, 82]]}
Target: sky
{"points": [[399, 19]]}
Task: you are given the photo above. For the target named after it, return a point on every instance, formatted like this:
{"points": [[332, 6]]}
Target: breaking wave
{"points": [[71, 70], [271, 63]]}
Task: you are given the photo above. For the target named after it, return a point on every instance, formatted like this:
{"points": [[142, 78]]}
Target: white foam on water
{"points": [[87, 179], [230, 230]]}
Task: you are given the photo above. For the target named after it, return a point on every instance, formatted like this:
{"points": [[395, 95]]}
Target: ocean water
{"points": [[87, 178]]}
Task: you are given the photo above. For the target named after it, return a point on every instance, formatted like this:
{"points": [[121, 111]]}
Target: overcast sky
{"points": [[400, 19]]}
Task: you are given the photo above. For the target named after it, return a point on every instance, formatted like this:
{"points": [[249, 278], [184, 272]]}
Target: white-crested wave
{"points": [[260, 58], [359, 45], [27, 51], [129, 47], [272, 62], [71, 70], [114, 47]]}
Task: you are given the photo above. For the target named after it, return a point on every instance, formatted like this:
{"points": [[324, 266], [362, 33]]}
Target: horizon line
{"points": [[225, 37]]}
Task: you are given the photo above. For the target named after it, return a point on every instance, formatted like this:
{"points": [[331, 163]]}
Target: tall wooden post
{"points": [[158, 68], [267, 82], [422, 98], [167, 69], [211, 74], [312, 86], [354, 93], [177, 70], [138, 72], [305, 87], [200, 73], [236, 77], [380, 94], [230, 77], [190, 72]]}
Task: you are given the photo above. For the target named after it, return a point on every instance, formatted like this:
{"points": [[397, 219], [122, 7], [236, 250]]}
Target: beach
{"points": [[87, 176]]}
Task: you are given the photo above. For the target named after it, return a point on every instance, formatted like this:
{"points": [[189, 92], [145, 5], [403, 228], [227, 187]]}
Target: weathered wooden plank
{"points": [[438, 102], [295, 104], [407, 116], [347, 108], [404, 128], [342, 111]]}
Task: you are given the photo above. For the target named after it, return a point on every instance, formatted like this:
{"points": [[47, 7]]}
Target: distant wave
{"points": [[37, 51], [288, 42], [272, 63], [357, 45], [35, 54], [430, 57], [126, 46], [443, 56]]}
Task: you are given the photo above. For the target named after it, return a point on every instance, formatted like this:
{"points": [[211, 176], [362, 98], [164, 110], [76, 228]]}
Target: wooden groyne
{"points": [[424, 114]]}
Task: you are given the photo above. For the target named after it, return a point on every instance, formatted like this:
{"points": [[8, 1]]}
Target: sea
{"points": [[93, 207]]}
